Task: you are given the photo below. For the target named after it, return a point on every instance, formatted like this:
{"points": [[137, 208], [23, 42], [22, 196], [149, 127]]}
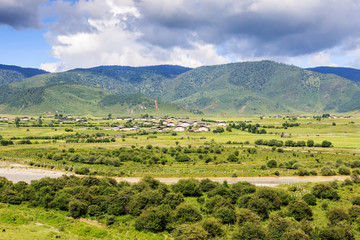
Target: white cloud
{"points": [[198, 32]]}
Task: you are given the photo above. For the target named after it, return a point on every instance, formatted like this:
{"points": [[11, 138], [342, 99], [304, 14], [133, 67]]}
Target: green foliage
{"points": [[188, 187], [309, 199], [185, 213], [300, 210], [154, 219], [271, 164]]}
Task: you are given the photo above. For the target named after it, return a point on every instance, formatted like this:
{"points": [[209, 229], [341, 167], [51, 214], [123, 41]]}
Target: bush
{"points": [[271, 164], [244, 215], [232, 158], [356, 201], [300, 210], [182, 158], [82, 170], [340, 231], [214, 227], [325, 192], [187, 213], [188, 187], [344, 171], [326, 171], [337, 215], [326, 144], [153, 219], [295, 234], [190, 232], [225, 214], [77, 208], [250, 231], [309, 199]]}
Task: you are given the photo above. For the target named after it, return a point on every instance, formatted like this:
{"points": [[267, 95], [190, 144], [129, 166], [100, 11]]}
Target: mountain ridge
{"points": [[236, 88]]}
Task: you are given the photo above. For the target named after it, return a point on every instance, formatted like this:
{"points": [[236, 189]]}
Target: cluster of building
{"points": [[171, 125]]}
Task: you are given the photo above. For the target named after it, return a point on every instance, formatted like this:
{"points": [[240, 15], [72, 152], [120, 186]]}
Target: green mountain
{"points": [[83, 100], [236, 88], [151, 81], [262, 87], [9, 74]]}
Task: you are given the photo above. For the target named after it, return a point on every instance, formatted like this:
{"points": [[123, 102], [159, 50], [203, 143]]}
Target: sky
{"points": [[58, 35]]}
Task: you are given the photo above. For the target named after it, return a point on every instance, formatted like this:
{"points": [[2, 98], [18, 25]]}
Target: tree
{"points": [[154, 219], [77, 208], [190, 232], [271, 164], [300, 210], [225, 214], [310, 143], [250, 231], [213, 226], [188, 187], [17, 121], [337, 215], [186, 212], [244, 215], [295, 234], [309, 199]]}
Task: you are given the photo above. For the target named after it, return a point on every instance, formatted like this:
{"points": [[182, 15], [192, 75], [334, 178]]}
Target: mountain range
{"points": [[261, 87]]}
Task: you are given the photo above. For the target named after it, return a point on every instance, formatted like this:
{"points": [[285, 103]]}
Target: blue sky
{"points": [[59, 35]]}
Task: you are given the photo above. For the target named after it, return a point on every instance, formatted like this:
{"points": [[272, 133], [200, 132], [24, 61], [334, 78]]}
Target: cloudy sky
{"points": [[58, 35]]}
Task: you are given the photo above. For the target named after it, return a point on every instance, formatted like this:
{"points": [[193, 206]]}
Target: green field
{"points": [[45, 208]]}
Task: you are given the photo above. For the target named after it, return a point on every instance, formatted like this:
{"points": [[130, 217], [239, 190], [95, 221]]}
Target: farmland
{"points": [[228, 147]]}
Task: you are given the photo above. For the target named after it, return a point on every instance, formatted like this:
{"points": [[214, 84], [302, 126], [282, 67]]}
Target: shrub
{"points": [[190, 232], [325, 192], [232, 158], [187, 213], [225, 214], [344, 171], [77, 208], [154, 219], [326, 144], [339, 231], [309, 199], [300, 210], [244, 215], [182, 158], [250, 231], [82, 170], [326, 171], [271, 164], [188, 187], [214, 227], [337, 215]]}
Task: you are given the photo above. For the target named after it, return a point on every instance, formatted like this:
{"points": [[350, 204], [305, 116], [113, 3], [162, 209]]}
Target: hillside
{"points": [[9, 74], [349, 73], [262, 87], [82, 100], [151, 81], [237, 88]]}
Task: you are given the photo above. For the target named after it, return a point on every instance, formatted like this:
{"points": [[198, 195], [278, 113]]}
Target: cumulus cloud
{"points": [[197, 32], [20, 14]]}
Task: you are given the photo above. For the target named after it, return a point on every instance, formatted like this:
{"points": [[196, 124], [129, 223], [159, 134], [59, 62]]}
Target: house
{"points": [[179, 129], [202, 129]]}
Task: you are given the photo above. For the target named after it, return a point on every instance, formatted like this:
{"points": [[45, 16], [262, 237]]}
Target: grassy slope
{"points": [[246, 88], [82, 100], [262, 87]]}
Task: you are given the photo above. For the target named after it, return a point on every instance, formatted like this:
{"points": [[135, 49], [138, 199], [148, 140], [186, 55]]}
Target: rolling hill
{"points": [[82, 100], [262, 87], [9, 74], [237, 88], [349, 73]]}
